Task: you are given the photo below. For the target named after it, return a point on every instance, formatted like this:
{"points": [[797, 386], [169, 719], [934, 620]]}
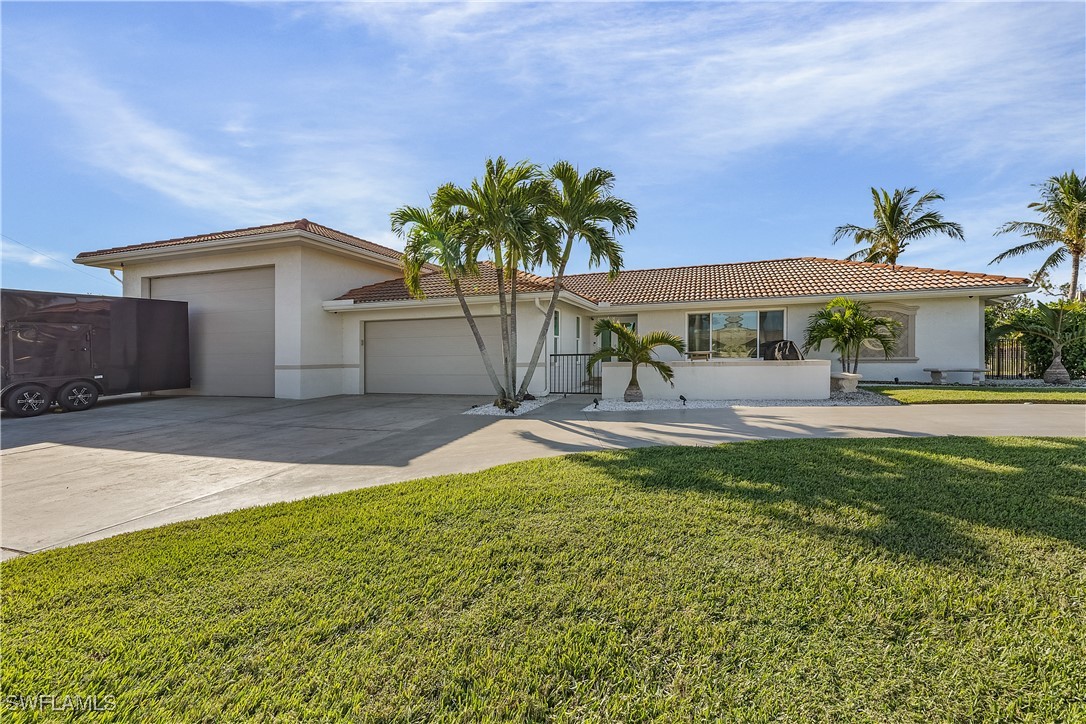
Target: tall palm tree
{"points": [[581, 208], [898, 221], [503, 214], [637, 350], [848, 323], [438, 237], [1063, 226], [1055, 323]]}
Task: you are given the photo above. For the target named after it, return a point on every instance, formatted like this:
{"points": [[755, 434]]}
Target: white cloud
{"points": [[12, 253], [690, 82]]}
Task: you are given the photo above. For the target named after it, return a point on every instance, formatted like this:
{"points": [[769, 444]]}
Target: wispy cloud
{"points": [[708, 81], [12, 253]]}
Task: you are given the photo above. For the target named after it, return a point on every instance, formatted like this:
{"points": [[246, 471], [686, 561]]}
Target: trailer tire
{"points": [[77, 395], [27, 400]]}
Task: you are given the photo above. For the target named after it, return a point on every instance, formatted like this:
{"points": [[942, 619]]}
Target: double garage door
{"points": [[429, 356], [231, 329]]}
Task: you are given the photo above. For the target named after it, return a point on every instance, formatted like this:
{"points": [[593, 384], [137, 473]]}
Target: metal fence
{"points": [[1007, 361], [569, 375]]}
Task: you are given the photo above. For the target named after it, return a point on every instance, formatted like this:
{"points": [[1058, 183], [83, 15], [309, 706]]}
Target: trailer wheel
{"points": [[78, 395], [27, 400]]}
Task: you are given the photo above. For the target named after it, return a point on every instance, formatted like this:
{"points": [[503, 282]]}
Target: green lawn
{"points": [[923, 579], [959, 394]]}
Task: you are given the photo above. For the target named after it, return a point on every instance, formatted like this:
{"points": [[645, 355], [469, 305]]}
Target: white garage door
{"points": [[231, 329], [436, 357]]}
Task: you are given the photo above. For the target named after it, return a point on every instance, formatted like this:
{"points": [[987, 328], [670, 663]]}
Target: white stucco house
{"points": [[298, 310]]}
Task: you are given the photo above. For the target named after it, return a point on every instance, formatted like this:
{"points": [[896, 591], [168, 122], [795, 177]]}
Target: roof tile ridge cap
{"points": [[692, 266]]}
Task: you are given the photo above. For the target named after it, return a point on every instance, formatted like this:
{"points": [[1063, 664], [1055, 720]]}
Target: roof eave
{"points": [[116, 260]]}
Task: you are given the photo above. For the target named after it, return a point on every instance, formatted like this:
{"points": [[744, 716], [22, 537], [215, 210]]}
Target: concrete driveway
{"points": [[136, 462]]}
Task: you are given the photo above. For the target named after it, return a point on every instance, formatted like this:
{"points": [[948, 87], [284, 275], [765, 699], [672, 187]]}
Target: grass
{"points": [[839, 580], [963, 394]]}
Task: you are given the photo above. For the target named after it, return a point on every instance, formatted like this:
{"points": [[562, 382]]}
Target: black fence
{"points": [[569, 375], [1007, 361]]}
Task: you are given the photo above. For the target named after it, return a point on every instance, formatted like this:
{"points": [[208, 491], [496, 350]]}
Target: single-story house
{"points": [[298, 310]]}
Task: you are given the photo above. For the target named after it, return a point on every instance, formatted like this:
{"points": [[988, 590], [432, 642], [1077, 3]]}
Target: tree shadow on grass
{"points": [[913, 497]]}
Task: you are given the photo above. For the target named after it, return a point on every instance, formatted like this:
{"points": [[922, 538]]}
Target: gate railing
{"points": [[568, 375], [1007, 361]]}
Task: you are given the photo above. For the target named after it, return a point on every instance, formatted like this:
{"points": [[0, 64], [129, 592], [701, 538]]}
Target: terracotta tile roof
{"points": [[805, 277], [300, 225], [435, 285], [778, 278]]}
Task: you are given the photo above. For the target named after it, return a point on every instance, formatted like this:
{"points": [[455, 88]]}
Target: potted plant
{"points": [[637, 350], [848, 323]]}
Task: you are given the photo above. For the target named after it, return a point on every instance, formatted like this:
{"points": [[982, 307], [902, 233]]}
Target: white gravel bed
{"points": [[837, 399], [526, 406]]}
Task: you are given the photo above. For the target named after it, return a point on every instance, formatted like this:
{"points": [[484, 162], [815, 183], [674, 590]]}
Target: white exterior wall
{"points": [[309, 360], [948, 332], [725, 379]]}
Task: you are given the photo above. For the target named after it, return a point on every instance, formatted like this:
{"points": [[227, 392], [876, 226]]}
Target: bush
{"points": [[1039, 350]]}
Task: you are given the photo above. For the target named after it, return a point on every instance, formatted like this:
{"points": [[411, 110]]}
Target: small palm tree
{"points": [[1063, 226], [898, 221], [1059, 323], [637, 350], [849, 323]]}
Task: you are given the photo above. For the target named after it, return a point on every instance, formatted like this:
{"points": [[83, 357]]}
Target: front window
{"points": [[556, 315], [735, 334]]}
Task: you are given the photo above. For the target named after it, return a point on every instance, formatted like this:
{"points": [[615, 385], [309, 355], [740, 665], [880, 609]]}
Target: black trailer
{"points": [[69, 349]]}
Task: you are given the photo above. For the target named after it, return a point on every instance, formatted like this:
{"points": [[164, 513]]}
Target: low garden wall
{"points": [[725, 379]]}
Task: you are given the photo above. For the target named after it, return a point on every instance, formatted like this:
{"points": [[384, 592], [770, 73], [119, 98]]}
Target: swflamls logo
{"points": [[60, 702]]}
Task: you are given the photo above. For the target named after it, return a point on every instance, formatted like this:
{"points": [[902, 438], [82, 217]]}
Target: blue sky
{"points": [[739, 130]]}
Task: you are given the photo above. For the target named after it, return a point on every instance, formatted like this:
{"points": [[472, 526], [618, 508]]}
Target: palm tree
{"points": [[1059, 323], [503, 214], [848, 323], [898, 221], [438, 237], [637, 350], [581, 208], [1063, 226]]}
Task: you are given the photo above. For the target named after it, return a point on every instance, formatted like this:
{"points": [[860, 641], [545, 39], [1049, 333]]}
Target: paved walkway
{"points": [[135, 463]]}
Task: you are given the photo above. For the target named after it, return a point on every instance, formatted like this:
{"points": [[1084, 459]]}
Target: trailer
{"points": [[70, 349]]}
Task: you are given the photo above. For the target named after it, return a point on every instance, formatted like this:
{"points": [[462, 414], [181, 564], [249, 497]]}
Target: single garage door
{"points": [[231, 329], [431, 356]]}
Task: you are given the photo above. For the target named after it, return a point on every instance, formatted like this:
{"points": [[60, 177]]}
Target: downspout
{"points": [[113, 273]]}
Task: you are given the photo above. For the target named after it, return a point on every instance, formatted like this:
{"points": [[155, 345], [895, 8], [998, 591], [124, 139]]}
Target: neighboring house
{"points": [[270, 315]]}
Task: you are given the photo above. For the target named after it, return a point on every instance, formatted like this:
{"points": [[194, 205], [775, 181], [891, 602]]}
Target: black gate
{"points": [[1007, 361], [569, 375]]}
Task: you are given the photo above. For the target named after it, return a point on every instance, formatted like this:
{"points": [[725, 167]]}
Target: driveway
{"points": [[139, 462]]}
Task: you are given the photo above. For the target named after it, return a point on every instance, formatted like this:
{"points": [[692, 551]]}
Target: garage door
{"points": [[433, 356], [231, 329]]}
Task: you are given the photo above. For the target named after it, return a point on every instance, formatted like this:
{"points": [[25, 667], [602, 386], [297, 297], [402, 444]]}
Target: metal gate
{"points": [[569, 375], [1007, 361]]}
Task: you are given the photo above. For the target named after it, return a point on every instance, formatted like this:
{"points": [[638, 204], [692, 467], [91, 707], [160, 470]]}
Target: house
{"points": [[298, 310]]}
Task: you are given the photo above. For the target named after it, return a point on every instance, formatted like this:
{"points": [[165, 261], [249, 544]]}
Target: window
{"points": [[735, 334], [906, 347], [578, 328]]}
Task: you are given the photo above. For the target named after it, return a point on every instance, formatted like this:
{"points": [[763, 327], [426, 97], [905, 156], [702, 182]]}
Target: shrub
{"points": [[1039, 349]]}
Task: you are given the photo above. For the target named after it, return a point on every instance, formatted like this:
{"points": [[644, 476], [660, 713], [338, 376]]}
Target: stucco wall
{"points": [[948, 332], [730, 379], [309, 359]]}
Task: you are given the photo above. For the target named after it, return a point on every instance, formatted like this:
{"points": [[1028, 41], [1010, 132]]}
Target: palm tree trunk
{"points": [[541, 341], [1072, 293], [1056, 374], [479, 340], [503, 312], [513, 351], [633, 390]]}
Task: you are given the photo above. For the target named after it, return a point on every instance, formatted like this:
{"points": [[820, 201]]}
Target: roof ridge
{"points": [[688, 266], [906, 267]]}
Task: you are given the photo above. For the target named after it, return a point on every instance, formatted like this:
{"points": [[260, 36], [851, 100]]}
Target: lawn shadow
{"points": [[915, 497]]}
